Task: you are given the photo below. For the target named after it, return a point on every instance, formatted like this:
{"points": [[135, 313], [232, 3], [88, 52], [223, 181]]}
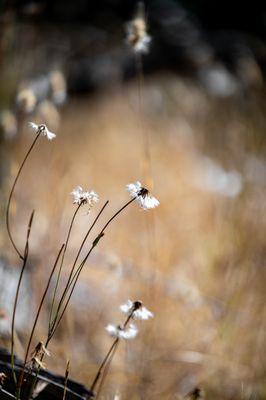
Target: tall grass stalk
{"points": [[78, 271], [110, 354], [25, 258], [62, 262], [58, 317], [36, 320], [11, 196]]}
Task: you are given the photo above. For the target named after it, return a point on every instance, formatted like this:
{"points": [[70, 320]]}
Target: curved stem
{"points": [[11, 195], [113, 217]]}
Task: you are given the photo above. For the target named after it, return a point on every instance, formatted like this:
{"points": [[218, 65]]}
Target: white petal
{"points": [[130, 333], [33, 126], [112, 330], [126, 308], [50, 135], [143, 313]]}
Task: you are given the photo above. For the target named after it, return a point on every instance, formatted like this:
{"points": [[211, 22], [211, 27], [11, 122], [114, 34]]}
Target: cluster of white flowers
{"points": [[142, 196], [43, 130], [80, 196], [134, 310], [122, 333]]}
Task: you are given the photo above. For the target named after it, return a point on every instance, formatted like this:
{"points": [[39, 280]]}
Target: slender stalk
{"points": [[94, 244], [109, 354], [51, 327], [105, 371], [94, 383], [36, 320], [11, 195], [147, 173], [66, 379], [62, 262], [25, 258]]}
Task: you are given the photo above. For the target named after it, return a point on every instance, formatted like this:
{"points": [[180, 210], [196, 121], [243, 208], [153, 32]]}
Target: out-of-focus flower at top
{"points": [[136, 309], [142, 196], [137, 36], [80, 196], [43, 130], [122, 333]]}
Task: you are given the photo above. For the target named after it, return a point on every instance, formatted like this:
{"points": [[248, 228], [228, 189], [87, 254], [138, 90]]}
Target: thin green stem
{"points": [[11, 195]]}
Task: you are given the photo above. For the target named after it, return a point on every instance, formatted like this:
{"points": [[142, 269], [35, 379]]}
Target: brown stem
{"points": [[62, 261], [11, 195], [25, 258], [52, 327], [109, 354], [36, 319]]}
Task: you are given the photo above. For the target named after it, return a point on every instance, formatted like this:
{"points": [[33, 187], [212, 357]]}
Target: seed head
{"points": [[136, 309], [142, 196], [43, 130], [137, 36], [80, 196]]}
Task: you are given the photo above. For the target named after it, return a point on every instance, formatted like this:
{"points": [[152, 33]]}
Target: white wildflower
{"points": [[43, 130], [122, 333], [142, 196], [137, 310], [80, 196], [137, 36]]}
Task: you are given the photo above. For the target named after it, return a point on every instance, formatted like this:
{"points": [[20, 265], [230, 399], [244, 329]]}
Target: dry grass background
{"points": [[201, 270]]}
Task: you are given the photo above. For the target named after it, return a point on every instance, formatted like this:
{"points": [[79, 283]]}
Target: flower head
{"points": [[80, 196], [122, 333], [136, 309], [137, 36], [43, 130], [142, 196]]}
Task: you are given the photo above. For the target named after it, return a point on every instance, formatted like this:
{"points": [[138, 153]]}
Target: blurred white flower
{"points": [[122, 333], [43, 130], [82, 197], [137, 36], [8, 124], [58, 86], [137, 310], [26, 100], [142, 196]]}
